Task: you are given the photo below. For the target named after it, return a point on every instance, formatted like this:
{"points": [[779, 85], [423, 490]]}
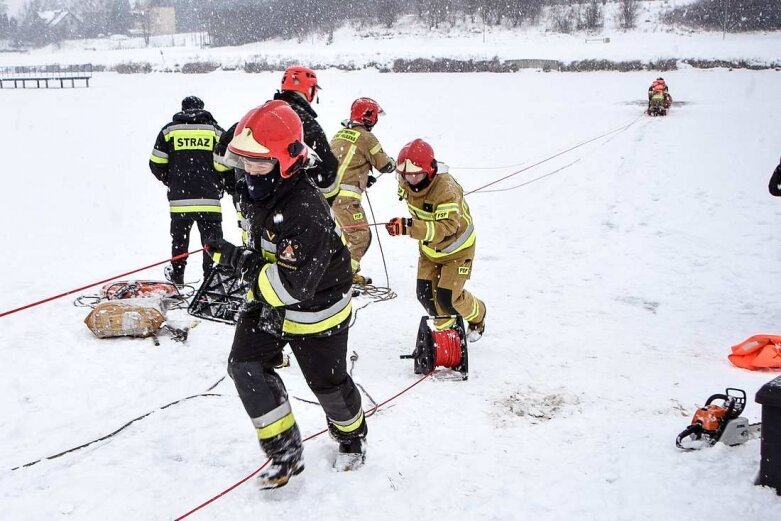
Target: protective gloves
{"points": [[399, 226], [246, 262]]}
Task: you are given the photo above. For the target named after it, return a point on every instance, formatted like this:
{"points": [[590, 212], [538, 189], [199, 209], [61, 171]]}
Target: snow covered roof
{"points": [[54, 18]]}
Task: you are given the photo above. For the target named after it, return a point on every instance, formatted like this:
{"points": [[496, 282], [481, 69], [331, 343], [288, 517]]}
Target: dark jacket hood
{"points": [[198, 116]]}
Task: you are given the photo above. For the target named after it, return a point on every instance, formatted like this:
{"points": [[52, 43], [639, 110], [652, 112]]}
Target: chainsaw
{"points": [[720, 420]]}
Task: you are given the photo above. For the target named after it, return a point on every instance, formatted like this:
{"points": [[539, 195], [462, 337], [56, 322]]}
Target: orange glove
{"points": [[399, 226]]}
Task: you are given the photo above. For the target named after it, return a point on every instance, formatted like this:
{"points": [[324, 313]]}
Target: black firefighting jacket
{"points": [[323, 174], [308, 274], [182, 159]]}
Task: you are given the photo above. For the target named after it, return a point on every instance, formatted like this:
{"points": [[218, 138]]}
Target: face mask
{"points": [[261, 187]]}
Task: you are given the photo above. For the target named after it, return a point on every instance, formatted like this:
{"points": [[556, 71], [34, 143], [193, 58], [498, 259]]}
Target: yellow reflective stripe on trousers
{"points": [[274, 422], [193, 209], [475, 311], [445, 325], [349, 425], [293, 327]]}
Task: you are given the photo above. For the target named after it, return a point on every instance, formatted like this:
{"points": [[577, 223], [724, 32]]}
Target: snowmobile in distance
{"points": [[659, 99]]}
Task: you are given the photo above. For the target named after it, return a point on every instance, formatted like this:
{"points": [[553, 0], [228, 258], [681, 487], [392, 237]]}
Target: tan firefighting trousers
{"points": [[349, 213], [450, 273]]}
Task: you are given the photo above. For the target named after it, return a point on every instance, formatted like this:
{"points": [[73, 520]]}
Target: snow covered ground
{"points": [[614, 289]]}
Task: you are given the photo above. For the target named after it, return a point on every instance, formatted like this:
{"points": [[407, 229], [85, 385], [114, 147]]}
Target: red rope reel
{"points": [[447, 348]]}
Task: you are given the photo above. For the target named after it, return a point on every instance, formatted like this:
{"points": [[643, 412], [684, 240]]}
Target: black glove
{"points": [[222, 252], [246, 262], [371, 180]]}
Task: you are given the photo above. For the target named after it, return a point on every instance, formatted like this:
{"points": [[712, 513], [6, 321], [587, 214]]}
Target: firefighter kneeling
{"points": [[300, 294], [442, 223]]}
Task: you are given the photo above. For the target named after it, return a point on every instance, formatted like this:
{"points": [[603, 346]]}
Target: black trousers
{"points": [[323, 361], [181, 224]]}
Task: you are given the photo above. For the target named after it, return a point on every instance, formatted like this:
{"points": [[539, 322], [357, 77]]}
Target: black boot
{"points": [[287, 459], [351, 455]]}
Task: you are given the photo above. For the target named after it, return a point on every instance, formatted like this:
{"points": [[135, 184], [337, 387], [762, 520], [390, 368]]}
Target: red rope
{"points": [[447, 348], [55, 297], [315, 435]]}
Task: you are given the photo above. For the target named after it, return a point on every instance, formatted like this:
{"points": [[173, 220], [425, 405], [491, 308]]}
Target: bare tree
{"points": [[628, 11], [144, 13], [593, 18]]}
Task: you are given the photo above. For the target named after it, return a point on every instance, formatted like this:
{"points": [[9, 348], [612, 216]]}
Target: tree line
{"points": [[235, 22]]}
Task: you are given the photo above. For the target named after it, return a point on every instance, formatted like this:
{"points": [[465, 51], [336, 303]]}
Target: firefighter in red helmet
{"points": [[298, 88], [299, 294], [442, 224], [358, 152]]}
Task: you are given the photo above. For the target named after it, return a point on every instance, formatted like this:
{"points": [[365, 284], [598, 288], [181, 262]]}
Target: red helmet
{"points": [[301, 79], [659, 87], [365, 111], [417, 157], [271, 131]]}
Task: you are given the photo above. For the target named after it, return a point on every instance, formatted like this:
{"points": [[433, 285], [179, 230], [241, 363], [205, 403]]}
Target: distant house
{"points": [[61, 23], [154, 21]]}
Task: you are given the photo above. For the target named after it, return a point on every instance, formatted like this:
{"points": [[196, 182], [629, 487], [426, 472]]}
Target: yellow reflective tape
{"points": [[265, 288], [340, 173], [400, 192], [297, 328], [475, 311], [358, 216], [216, 257], [430, 231], [268, 256], [349, 193], [355, 265], [434, 254], [376, 148], [190, 209], [277, 428], [250, 295], [159, 160], [349, 428], [445, 324], [463, 270], [222, 168], [419, 213]]}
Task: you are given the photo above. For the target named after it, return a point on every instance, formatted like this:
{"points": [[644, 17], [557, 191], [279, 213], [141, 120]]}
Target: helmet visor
{"points": [[251, 165], [258, 166], [414, 178]]}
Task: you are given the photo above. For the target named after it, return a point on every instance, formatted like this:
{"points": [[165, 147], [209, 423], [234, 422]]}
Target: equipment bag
{"points": [[757, 352], [126, 317]]}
